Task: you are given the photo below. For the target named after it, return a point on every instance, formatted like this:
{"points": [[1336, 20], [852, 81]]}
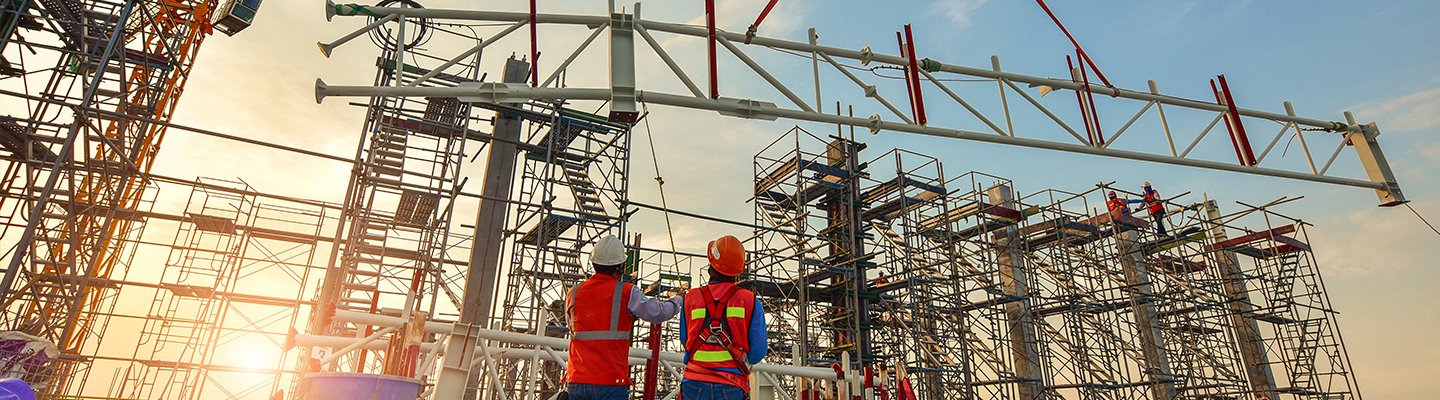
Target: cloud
{"points": [[959, 11], [1345, 246], [1415, 111], [1432, 155]]}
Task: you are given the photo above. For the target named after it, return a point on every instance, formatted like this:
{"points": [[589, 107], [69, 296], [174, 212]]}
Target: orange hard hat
{"points": [[727, 255]]}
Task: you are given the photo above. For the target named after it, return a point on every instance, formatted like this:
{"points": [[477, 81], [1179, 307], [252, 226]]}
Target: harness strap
{"points": [[713, 308]]}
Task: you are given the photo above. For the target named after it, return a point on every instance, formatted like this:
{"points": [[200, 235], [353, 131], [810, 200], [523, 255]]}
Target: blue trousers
{"points": [[586, 391], [697, 390]]}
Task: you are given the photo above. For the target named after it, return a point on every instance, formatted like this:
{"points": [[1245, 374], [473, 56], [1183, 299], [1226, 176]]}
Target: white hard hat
{"points": [[609, 252], [1147, 184]]}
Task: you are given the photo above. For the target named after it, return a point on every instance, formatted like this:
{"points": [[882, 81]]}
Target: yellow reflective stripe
{"points": [[734, 312], [711, 356], [730, 312]]}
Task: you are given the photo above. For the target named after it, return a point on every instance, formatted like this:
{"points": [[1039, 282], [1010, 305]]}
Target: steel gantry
{"points": [[622, 94]]}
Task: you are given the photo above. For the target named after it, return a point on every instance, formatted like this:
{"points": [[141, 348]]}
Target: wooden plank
{"points": [[1003, 212], [1270, 234]]}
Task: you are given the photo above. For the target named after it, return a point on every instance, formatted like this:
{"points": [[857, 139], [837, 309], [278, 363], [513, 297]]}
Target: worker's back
{"points": [[729, 309], [600, 325]]}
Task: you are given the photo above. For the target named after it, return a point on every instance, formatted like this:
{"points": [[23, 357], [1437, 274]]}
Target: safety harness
{"points": [[716, 331]]}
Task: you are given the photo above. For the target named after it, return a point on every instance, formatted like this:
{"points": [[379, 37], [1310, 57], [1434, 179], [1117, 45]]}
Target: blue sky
{"points": [[1379, 59]]}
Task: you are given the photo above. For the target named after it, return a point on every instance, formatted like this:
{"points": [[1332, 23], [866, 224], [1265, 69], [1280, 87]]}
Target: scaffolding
{"points": [[237, 279], [571, 191], [978, 292], [394, 252], [95, 77], [973, 288]]}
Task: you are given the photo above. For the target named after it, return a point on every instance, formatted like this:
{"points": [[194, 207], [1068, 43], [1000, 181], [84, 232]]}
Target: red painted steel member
{"points": [[724, 329], [600, 313]]}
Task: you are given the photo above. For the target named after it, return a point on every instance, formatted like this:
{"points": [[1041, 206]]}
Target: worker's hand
{"points": [[678, 291]]}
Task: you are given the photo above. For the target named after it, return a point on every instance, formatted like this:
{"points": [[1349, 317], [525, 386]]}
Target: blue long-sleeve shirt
{"points": [[758, 345]]}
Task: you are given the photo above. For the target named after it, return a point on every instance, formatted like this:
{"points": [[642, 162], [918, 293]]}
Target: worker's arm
{"points": [[684, 333], [759, 346], [1133, 201], [652, 309]]}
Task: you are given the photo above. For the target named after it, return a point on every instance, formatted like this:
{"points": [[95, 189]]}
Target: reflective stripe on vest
{"points": [[615, 307], [730, 312], [711, 356]]}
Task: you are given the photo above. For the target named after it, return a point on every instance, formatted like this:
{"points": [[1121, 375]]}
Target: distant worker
{"points": [[1116, 203], [723, 329], [1157, 208], [599, 367]]}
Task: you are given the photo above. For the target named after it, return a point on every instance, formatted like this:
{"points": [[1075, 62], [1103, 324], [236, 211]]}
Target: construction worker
{"points": [[1157, 208], [723, 329], [1116, 203], [599, 367]]}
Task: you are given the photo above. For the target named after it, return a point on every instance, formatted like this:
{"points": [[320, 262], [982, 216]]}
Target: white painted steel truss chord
{"points": [[1378, 171]]}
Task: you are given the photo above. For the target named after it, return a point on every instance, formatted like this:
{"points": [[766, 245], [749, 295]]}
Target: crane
{"points": [[78, 153]]}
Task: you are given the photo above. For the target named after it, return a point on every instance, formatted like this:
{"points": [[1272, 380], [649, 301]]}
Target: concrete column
{"points": [[1020, 322], [1247, 329], [483, 276], [1152, 339]]}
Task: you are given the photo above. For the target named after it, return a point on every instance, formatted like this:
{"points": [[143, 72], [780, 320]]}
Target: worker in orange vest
{"points": [[1157, 208], [723, 329], [600, 312], [1116, 203]]}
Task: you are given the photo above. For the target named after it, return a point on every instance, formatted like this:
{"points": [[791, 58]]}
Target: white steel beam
{"points": [[622, 69]]}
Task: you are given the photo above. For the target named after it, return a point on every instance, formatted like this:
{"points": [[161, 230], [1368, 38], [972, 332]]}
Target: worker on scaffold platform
{"points": [[1157, 208], [1117, 203], [600, 341], [723, 329]]}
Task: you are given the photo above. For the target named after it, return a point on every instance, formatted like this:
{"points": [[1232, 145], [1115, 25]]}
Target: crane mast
{"points": [[98, 80]]}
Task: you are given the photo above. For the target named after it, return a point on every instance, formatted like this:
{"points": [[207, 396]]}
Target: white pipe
{"points": [[357, 344], [637, 355], [340, 342]]}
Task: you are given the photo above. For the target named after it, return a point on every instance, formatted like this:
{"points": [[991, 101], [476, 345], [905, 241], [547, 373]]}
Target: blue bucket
{"points": [[353, 386]]}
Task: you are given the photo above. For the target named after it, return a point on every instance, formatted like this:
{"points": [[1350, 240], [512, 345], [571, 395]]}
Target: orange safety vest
{"points": [[729, 309], [1119, 204], [1153, 199], [600, 332]]}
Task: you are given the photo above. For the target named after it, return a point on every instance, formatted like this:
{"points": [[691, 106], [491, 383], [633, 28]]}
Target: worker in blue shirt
{"points": [[723, 329]]}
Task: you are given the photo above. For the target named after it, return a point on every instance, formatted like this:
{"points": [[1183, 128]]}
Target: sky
{"points": [[1378, 59]]}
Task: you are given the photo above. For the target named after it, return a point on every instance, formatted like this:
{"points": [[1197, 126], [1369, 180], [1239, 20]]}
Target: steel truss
{"points": [[622, 94]]}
